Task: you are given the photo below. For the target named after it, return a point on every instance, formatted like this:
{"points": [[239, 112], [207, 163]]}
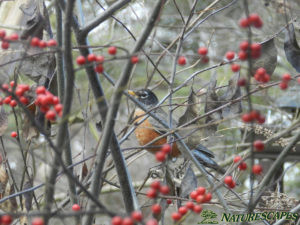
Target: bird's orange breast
{"points": [[145, 133]]}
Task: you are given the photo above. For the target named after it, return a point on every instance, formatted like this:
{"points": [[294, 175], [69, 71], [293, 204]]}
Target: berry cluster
{"points": [[261, 75], [285, 81], [36, 42], [202, 51], [45, 100], [136, 216], [200, 196], [20, 91], [155, 188], [257, 169], [242, 165], [253, 116], [5, 40], [229, 181], [252, 20], [161, 155]]}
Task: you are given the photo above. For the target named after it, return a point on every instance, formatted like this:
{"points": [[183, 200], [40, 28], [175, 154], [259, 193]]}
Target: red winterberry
{"points": [[201, 190], [254, 114], [42, 44], [91, 57], [197, 209], [5, 45], [189, 205], [202, 51], [80, 60], [50, 115], [255, 47], [99, 68], [298, 80], [155, 185], [7, 100], [152, 222], [137, 216], [134, 59], [100, 58], [232, 184], [40, 90], [116, 220], [183, 210], [259, 145], [37, 221], [228, 180], [76, 207], [6, 219], [14, 134], [127, 221], [2, 34], [13, 103], [208, 197], [255, 20], [244, 22], [244, 46], [261, 71], [156, 209], [181, 60], [283, 85], [13, 37], [55, 100], [246, 118], [200, 198], [112, 50], [151, 193], [166, 148], [257, 169], [237, 159], [193, 195], [242, 55], [235, 67], [164, 190], [230, 55], [12, 83], [205, 59], [5, 86], [51, 43], [242, 82], [160, 156], [169, 201], [176, 216], [243, 166], [286, 77], [58, 108], [35, 42], [24, 100]]}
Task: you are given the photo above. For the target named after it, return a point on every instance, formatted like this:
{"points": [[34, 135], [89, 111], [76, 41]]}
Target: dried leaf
{"points": [[28, 196], [3, 180], [188, 183], [3, 121], [13, 201], [191, 110], [291, 47], [232, 92], [267, 59], [84, 171]]}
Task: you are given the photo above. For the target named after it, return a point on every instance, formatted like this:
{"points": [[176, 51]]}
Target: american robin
{"points": [[151, 129]]}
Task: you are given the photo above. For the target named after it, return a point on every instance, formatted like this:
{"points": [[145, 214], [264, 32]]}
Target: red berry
{"points": [[230, 55], [259, 145], [255, 54], [208, 197], [164, 190], [244, 45], [235, 67], [91, 57], [35, 42], [232, 184], [298, 80], [42, 44], [169, 201], [7, 100], [160, 156], [134, 59], [1, 101], [243, 166], [112, 50], [100, 59], [14, 134], [228, 180], [286, 77], [181, 60], [127, 221], [257, 169], [283, 85], [197, 209], [40, 90], [242, 82], [13, 103], [50, 115], [151, 193], [6, 219], [44, 109], [38, 221], [242, 55], [258, 24], [261, 71], [176, 216], [137, 216], [19, 92], [80, 60], [55, 100], [183, 210], [246, 118], [76, 207], [152, 222], [255, 47], [155, 185], [202, 51], [2, 34], [201, 190], [193, 195], [254, 114], [13, 37], [244, 22], [166, 148], [237, 159], [189, 205], [52, 43], [24, 100], [116, 220], [254, 17], [200, 198], [205, 59], [58, 108], [5, 86], [99, 68], [12, 83], [5, 45], [156, 209]]}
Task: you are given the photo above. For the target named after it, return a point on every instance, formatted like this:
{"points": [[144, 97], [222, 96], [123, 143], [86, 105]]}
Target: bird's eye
{"points": [[144, 95]]}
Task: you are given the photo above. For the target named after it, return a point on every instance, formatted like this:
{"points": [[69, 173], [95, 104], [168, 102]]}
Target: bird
{"points": [[150, 129]]}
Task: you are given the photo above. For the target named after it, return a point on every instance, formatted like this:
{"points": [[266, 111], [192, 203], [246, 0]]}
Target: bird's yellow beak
{"points": [[132, 93]]}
